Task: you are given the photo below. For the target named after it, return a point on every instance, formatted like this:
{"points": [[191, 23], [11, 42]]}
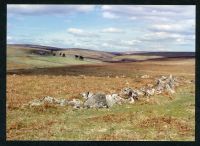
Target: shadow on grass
{"points": [[77, 70]]}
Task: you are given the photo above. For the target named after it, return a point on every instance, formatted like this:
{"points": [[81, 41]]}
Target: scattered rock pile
{"points": [[127, 95], [48, 100], [162, 84], [101, 100], [166, 84]]}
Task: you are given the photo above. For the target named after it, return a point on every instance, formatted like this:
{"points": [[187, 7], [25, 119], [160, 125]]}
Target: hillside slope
{"points": [[23, 57]]}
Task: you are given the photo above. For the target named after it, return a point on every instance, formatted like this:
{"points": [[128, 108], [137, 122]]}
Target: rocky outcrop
{"points": [[127, 95], [166, 84], [114, 99], [76, 103]]}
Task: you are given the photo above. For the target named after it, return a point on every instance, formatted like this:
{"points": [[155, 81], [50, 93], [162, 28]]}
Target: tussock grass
{"points": [[169, 121], [161, 117]]}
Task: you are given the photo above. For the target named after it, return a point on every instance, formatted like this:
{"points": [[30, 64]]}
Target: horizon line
{"points": [[97, 50]]}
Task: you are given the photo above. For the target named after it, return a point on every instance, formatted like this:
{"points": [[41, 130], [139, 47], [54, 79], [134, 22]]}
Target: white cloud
{"points": [[119, 45], [47, 9], [76, 31], [81, 33], [133, 18], [186, 26], [130, 42], [154, 36], [106, 45], [168, 38], [112, 30], [151, 13], [109, 15], [165, 27], [146, 26]]}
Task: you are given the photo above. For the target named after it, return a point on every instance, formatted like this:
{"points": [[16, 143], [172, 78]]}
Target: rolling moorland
{"points": [[35, 56], [34, 72]]}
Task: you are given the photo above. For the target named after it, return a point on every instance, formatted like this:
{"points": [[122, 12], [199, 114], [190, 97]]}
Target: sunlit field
{"points": [[162, 117]]}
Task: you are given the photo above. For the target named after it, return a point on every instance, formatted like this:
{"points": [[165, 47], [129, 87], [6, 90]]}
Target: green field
{"points": [[20, 58]]}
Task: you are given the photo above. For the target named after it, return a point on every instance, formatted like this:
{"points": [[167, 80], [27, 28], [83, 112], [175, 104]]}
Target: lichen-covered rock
{"points": [[110, 100], [140, 92], [96, 101], [76, 103], [160, 86], [48, 100], [131, 100], [63, 102], [169, 89], [150, 92], [114, 99], [101, 100], [87, 95], [167, 84], [118, 99], [130, 93], [35, 102]]}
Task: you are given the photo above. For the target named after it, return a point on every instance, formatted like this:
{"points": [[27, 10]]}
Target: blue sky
{"points": [[104, 27]]}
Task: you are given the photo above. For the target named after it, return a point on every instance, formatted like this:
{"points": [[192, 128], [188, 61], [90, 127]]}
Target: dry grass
{"points": [[61, 86], [161, 117], [136, 57]]}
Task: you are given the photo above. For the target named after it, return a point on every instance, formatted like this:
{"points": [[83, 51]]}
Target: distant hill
{"points": [[164, 54], [36, 46], [167, 54], [29, 56], [90, 54], [102, 55], [143, 56], [34, 56]]}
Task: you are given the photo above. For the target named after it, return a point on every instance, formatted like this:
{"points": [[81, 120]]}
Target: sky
{"points": [[114, 28]]}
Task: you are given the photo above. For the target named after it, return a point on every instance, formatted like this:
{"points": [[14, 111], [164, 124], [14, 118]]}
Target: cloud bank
{"points": [[106, 27]]}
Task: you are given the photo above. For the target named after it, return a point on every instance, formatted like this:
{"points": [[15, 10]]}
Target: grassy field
{"points": [[99, 55], [162, 117], [20, 58]]}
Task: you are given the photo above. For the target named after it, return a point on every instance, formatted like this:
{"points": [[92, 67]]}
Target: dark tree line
{"points": [[63, 55], [79, 57]]}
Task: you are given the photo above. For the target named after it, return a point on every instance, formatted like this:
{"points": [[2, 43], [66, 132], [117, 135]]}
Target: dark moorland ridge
{"points": [[164, 54]]}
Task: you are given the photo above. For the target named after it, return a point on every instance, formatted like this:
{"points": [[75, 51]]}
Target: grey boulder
{"points": [[97, 100]]}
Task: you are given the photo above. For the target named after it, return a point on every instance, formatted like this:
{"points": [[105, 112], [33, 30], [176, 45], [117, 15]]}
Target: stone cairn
{"points": [[127, 95]]}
